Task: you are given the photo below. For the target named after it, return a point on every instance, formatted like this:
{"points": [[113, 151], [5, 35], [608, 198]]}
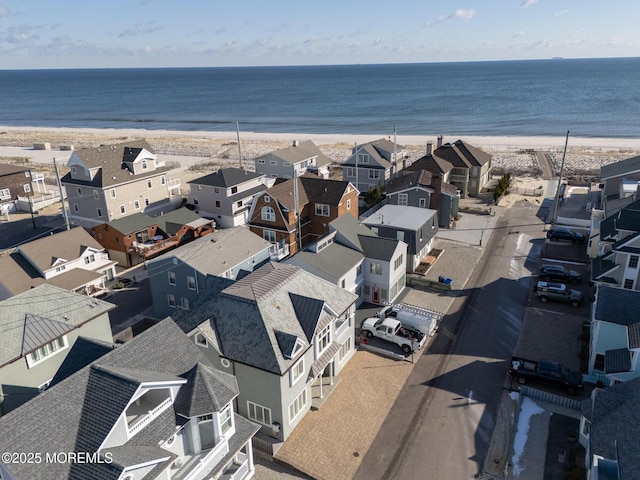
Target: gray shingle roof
{"points": [[59, 307], [602, 265], [335, 260], [379, 152], [205, 387], [350, 229], [615, 426], [83, 352], [311, 189], [220, 251], [623, 167], [303, 151], [227, 177], [378, 248], [250, 316], [67, 245], [617, 305], [633, 334], [408, 179], [617, 361], [8, 169], [78, 413]]}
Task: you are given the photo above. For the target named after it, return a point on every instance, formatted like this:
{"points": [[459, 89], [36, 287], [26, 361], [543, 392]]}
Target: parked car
{"points": [[558, 273], [545, 371], [565, 234], [558, 292]]}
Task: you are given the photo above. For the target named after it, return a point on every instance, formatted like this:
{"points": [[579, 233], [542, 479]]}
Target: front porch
{"points": [[322, 389]]}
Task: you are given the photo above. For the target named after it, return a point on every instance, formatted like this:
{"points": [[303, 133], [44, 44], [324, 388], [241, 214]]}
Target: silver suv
{"points": [[559, 292]]}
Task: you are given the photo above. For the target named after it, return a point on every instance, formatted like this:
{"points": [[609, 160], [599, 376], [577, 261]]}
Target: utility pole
{"points": [[557, 198], [239, 147], [27, 187], [296, 213], [64, 208]]}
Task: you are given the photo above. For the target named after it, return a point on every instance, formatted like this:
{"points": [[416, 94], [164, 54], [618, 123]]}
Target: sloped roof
{"points": [[227, 177], [617, 361], [303, 151], [220, 251], [308, 311], [462, 154], [615, 426], [68, 245], [378, 151], [378, 248], [78, 413], [617, 169], [350, 228], [435, 165], [602, 265], [335, 260], [633, 335], [311, 189], [250, 316], [409, 179], [617, 305], [205, 387], [169, 222], [42, 313], [83, 352], [110, 159], [8, 169]]}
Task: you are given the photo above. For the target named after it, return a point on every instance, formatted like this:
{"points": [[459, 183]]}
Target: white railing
{"points": [[150, 416], [214, 456], [243, 470], [175, 183], [278, 253]]}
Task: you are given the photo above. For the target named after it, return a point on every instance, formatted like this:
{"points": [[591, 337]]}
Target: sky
{"points": [[207, 33]]}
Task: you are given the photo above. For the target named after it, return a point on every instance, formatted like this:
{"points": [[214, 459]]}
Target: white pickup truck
{"points": [[417, 318], [391, 330]]}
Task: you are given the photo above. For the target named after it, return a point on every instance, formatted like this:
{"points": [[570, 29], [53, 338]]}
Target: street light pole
{"points": [[557, 197]]}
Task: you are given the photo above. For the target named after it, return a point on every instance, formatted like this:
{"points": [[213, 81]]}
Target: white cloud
{"points": [[3, 11], [461, 14], [527, 3], [518, 34], [561, 12]]}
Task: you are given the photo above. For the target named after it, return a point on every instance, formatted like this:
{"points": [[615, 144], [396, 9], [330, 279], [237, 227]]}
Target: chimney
{"points": [[439, 144], [429, 148]]}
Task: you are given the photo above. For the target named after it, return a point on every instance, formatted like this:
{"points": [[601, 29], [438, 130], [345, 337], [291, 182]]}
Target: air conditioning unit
{"points": [[177, 463], [275, 427]]}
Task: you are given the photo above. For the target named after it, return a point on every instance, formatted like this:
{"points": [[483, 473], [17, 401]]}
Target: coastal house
{"points": [[615, 338], [225, 196], [15, 181], [294, 161], [414, 226], [135, 238], [177, 278], [112, 181], [618, 246], [37, 329], [291, 215], [152, 408], [466, 167], [609, 433], [72, 260], [420, 188], [620, 182], [286, 334], [376, 162], [352, 257]]}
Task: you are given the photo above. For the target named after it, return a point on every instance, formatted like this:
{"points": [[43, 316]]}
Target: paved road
{"points": [[442, 421]]}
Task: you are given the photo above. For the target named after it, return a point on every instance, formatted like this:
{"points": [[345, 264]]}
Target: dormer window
{"points": [[267, 199], [144, 164], [363, 158], [47, 351], [297, 348]]}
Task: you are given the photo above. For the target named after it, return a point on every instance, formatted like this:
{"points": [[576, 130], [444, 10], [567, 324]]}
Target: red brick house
{"points": [[317, 201]]}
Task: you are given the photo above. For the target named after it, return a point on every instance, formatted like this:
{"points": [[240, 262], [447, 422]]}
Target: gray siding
{"points": [[161, 288]]}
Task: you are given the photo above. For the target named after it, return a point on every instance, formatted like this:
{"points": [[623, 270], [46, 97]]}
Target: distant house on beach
{"points": [[376, 162], [298, 159]]}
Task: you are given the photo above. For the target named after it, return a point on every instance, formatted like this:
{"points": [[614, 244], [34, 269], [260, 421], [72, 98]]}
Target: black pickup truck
{"points": [[545, 371]]}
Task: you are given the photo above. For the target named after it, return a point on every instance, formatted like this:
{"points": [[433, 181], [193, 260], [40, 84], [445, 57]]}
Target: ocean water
{"points": [[589, 97]]}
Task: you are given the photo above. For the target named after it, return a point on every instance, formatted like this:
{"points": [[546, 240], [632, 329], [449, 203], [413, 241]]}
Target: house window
{"points": [[285, 164], [96, 195], [5, 194], [323, 339], [136, 205], [633, 261], [403, 199], [322, 209], [122, 209], [162, 180], [273, 162], [398, 262], [149, 184], [239, 204], [26, 187], [351, 172], [226, 419], [269, 236], [79, 190], [171, 300], [297, 371], [375, 268], [61, 268], [146, 201], [423, 203], [363, 158], [73, 170], [400, 235], [46, 351], [191, 282], [586, 428], [628, 283], [172, 278], [89, 259], [184, 303], [348, 204], [201, 340], [234, 190], [297, 405], [75, 208], [258, 413], [217, 203], [267, 199], [195, 201], [598, 364], [374, 174], [343, 283], [345, 348], [112, 192], [268, 214], [99, 212], [359, 270]]}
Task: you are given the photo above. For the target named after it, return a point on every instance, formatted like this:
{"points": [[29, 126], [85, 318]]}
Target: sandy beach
{"points": [[585, 156]]}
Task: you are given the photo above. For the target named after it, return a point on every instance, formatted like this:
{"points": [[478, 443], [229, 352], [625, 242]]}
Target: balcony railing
{"points": [[211, 458], [239, 469], [150, 416], [278, 252]]}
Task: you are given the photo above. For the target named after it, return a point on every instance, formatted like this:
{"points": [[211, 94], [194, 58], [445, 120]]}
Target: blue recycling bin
{"points": [[445, 280]]}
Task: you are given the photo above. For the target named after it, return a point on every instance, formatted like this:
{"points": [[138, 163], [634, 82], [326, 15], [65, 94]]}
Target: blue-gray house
{"points": [[179, 277]]}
